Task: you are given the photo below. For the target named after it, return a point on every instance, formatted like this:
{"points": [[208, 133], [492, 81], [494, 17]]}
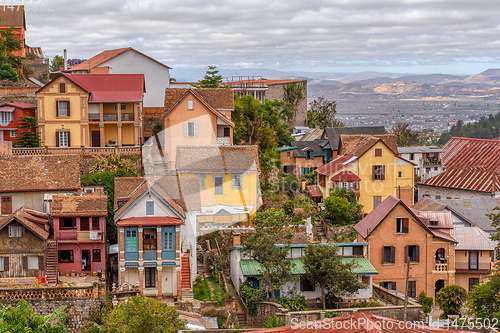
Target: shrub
{"points": [[251, 297], [450, 299], [274, 322], [331, 315], [293, 303], [8, 73]]}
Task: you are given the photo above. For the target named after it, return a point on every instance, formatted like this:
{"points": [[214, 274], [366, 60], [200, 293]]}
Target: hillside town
{"points": [[229, 204]]}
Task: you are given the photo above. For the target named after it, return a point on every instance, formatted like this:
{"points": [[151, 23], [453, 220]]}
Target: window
{"points": [[13, 134], [287, 154], [96, 255], [472, 282], [388, 285], [33, 262], [237, 182], [150, 208], [412, 157], [62, 88], [310, 155], [227, 132], [473, 260], [378, 172], [191, 129], [62, 109], [399, 174], [412, 289], [4, 263], [168, 241], [150, 277], [347, 251], [412, 252], [306, 285], [123, 107], [190, 104], [67, 223], [95, 223], [6, 118], [218, 185], [84, 224], [305, 171], [438, 196], [149, 239], [62, 139], [402, 225], [16, 231], [366, 280], [378, 152], [203, 178], [65, 256], [376, 201], [130, 240], [389, 255], [6, 205]]}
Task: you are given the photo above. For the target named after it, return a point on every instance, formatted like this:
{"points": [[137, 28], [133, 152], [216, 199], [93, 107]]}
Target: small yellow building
{"points": [[91, 110], [370, 166]]}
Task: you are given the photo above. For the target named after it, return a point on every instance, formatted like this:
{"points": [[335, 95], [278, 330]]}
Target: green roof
{"points": [[253, 268], [285, 148]]}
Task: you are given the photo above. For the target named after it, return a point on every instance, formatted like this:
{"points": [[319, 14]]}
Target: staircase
{"points": [[186, 290], [51, 263], [242, 319], [319, 232]]}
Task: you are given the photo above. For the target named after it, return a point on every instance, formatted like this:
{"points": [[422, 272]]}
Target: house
{"points": [[14, 16], [246, 270], [79, 222], [333, 134], [461, 183], [24, 236], [10, 114], [149, 225], [91, 110], [474, 255], [302, 157], [197, 117], [275, 90], [427, 158], [32, 180], [130, 61], [395, 232], [370, 166], [467, 152]]}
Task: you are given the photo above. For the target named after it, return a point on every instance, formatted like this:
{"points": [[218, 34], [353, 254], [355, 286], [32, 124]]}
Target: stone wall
{"points": [[390, 297]]}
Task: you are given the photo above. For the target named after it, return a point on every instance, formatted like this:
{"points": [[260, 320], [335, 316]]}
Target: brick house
{"points": [[14, 16], [394, 232], [79, 222], [10, 113], [302, 157]]}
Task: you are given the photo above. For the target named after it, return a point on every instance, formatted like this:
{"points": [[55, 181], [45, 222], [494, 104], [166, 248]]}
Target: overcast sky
{"points": [[405, 36]]}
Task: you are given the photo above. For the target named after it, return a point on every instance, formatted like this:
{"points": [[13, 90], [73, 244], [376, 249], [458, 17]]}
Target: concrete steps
{"points": [[242, 319]]}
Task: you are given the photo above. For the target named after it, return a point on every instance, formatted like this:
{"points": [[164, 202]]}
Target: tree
{"points": [[9, 43], [8, 73], [450, 299], [271, 229], [293, 94], [157, 128], [342, 207], [324, 268], [143, 315], [484, 301], [56, 63], [405, 137], [495, 223], [22, 319], [322, 114], [212, 79], [30, 136]]}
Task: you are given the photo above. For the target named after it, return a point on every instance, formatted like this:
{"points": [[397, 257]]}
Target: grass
{"points": [[201, 291], [216, 291]]}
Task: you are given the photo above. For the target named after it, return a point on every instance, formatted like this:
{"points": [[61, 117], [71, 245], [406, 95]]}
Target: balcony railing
{"points": [[149, 255], [127, 117], [131, 256], [110, 117], [167, 255], [79, 236], [94, 117], [223, 141], [441, 267]]}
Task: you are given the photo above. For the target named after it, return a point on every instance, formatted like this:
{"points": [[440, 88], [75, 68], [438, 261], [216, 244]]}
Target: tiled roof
{"points": [[149, 220], [471, 178], [336, 164], [444, 218], [333, 133], [125, 185], [20, 105], [472, 238], [359, 144], [466, 152], [12, 17], [36, 222], [345, 176], [212, 159], [371, 221], [95, 204], [312, 134], [303, 146], [443, 235], [40, 173], [313, 191]]}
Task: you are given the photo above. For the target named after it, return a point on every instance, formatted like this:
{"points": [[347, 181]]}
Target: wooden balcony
{"points": [[80, 236]]}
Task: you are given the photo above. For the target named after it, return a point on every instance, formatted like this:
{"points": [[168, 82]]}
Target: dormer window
{"points": [[433, 223], [309, 154]]}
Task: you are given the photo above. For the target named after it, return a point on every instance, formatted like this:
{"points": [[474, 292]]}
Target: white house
{"points": [[427, 158]]}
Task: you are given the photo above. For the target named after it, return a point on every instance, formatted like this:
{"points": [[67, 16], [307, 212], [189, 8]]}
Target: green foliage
{"points": [[330, 315], [201, 291], [9, 43], [289, 208], [450, 299], [370, 304], [22, 319], [426, 302], [495, 223], [251, 297], [293, 302], [157, 128], [29, 136], [405, 137], [484, 128], [322, 114], [212, 79], [324, 268], [142, 314], [311, 178], [342, 207], [274, 322], [56, 63], [270, 229], [484, 301], [293, 94], [8, 73], [95, 323], [332, 301]]}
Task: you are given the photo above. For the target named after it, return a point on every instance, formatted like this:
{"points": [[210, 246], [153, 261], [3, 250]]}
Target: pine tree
{"points": [[30, 137]]}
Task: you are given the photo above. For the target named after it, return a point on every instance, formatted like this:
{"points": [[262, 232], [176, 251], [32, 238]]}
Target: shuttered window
{"points": [[237, 182], [2, 264], [95, 223], [6, 205], [412, 252], [168, 241], [32, 262], [389, 255], [62, 88], [15, 231], [63, 108], [412, 289], [191, 129], [401, 225], [130, 240], [96, 255], [219, 185], [378, 152], [378, 172], [63, 139]]}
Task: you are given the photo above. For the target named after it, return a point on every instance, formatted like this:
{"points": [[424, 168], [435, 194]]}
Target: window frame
{"points": [[190, 104], [61, 140], [412, 288], [195, 129], [58, 108], [402, 225], [150, 208], [17, 234], [378, 172], [237, 181], [221, 187], [71, 257], [471, 264], [415, 254], [476, 280], [96, 255], [34, 259], [96, 223], [150, 277], [378, 152], [131, 241], [392, 254], [6, 206]]}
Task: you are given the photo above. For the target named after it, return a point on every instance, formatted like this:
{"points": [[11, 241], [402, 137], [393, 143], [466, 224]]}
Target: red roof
{"points": [[356, 323], [313, 191], [149, 220], [444, 218], [466, 152], [345, 176], [111, 87], [20, 105], [336, 164], [471, 178]]}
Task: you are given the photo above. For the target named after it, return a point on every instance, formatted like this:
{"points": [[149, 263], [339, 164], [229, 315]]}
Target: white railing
{"points": [[223, 141]]}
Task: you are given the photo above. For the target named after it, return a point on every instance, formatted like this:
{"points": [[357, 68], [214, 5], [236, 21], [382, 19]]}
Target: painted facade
{"points": [[10, 113], [428, 160], [14, 16]]}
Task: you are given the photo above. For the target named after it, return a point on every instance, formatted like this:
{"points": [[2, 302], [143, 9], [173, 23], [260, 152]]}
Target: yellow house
{"points": [[370, 166], [91, 110]]}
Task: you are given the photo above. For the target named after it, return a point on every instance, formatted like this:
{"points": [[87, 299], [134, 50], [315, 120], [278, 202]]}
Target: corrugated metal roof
{"points": [[336, 164], [444, 218], [376, 216], [149, 220], [475, 210], [472, 238], [313, 134], [427, 204], [419, 149], [359, 144], [471, 178], [466, 152], [345, 176]]}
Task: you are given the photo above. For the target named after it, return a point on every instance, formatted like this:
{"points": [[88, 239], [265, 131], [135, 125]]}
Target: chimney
{"points": [[65, 60], [236, 239]]}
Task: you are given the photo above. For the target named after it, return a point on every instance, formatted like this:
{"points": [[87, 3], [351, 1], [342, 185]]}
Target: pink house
{"points": [[79, 231]]}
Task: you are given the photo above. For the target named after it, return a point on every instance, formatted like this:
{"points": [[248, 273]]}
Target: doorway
{"points": [[85, 260], [439, 285], [96, 138]]}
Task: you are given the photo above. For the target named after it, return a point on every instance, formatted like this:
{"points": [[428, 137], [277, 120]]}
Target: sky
{"points": [[399, 36]]}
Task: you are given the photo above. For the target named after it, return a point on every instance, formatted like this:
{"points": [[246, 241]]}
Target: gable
{"points": [[52, 87], [133, 62], [139, 207]]}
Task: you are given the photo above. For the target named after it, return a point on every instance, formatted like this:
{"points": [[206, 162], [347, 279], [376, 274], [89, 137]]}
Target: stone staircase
{"points": [[319, 231], [51, 263], [186, 289], [242, 319]]}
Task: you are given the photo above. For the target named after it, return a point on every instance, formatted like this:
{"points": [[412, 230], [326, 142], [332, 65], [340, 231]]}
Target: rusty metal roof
{"points": [[345, 176], [471, 178], [312, 134], [371, 221], [475, 210], [336, 164], [466, 152], [472, 239], [444, 219]]}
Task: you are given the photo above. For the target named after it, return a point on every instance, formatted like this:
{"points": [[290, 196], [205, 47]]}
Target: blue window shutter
{"points": [[150, 208]]}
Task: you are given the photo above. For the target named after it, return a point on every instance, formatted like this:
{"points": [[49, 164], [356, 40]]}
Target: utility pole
{"points": [[406, 288]]}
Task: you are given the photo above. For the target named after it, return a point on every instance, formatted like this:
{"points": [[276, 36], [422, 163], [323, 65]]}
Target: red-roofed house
{"points": [[467, 152], [91, 110], [396, 232], [9, 119]]}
